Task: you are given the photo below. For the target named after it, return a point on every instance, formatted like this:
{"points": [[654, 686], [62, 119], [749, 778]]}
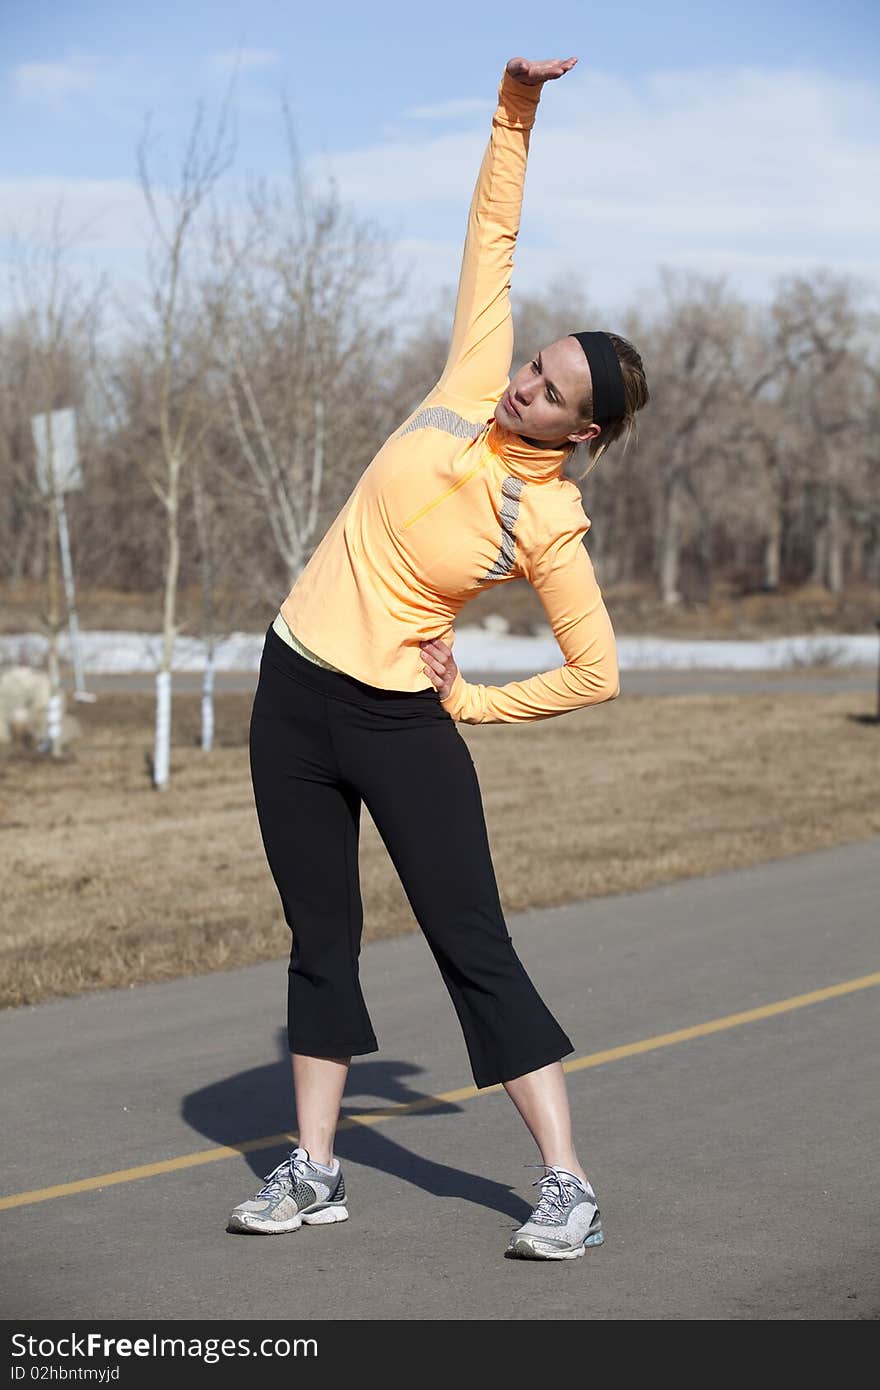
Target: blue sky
{"points": [[743, 139]]}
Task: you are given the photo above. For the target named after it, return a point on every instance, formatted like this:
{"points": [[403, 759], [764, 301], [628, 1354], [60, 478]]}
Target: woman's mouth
{"points": [[508, 405]]}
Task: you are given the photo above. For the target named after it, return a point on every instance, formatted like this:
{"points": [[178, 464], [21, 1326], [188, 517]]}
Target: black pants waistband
{"points": [[337, 684]]}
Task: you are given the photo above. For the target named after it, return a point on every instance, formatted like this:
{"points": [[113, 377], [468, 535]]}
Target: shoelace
{"points": [[287, 1172], [557, 1192]]}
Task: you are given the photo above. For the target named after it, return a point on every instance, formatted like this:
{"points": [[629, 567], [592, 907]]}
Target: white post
{"points": [[80, 692], [208, 701], [54, 715], [163, 729]]}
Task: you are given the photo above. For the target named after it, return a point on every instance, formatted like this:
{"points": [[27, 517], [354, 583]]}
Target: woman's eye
{"points": [[551, 398]]}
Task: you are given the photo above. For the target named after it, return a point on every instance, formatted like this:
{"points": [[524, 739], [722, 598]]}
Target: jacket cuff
{"points": [[517, 102], [455, 703]]}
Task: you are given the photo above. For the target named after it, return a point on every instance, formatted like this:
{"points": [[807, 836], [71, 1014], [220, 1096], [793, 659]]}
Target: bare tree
{"points": [[204, 512], [22, 518], [742, 492], [867, 517], [52, 342], [299, 321], [174, 338], [692, 375], [817, 324], [298, 310]]}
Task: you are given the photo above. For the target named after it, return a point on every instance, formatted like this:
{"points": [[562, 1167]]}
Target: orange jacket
{"points": [[454, 503]]}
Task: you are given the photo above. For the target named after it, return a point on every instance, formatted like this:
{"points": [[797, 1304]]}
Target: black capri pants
{"points": [[321, 743]]}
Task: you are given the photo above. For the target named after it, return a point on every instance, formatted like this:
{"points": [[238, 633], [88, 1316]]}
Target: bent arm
{"points": [[566, 584], [481, 349]]}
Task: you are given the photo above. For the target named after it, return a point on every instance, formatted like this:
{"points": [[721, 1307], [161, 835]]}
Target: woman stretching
{"points": [[466, 494]]}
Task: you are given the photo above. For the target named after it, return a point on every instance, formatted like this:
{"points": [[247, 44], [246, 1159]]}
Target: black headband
{"points": [[609, 398]]}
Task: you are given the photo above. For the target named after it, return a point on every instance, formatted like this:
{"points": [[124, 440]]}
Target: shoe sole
{"points": [[525, 1248], [312, 1216]]}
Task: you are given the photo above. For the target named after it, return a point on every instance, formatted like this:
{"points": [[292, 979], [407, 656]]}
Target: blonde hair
{"points": [[637, 396]]}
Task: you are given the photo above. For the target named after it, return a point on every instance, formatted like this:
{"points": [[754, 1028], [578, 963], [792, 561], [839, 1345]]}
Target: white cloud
{"points": [[106, 229], [749, 173], [96, 212], [449, 110], [750, 170], [54, 82], [245, 59]]}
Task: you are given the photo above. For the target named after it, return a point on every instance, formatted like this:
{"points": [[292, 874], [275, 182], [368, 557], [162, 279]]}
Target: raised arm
{"points": [[481, 349], [564, 579]]}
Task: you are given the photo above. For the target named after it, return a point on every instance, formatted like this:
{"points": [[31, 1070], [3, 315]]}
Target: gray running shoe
{"points": [[296, 1191], [565, 1222]]}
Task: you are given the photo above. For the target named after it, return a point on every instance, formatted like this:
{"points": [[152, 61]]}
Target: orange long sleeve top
{"points": [[454, 503]]}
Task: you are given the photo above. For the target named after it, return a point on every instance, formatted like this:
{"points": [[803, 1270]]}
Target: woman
{"points": [[466, 494]]}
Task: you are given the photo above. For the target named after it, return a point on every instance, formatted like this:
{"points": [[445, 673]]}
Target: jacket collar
{"points": [[534, 463]]}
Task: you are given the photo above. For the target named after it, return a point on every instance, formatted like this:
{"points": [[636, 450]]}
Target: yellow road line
{"points": [[375, 1116]]}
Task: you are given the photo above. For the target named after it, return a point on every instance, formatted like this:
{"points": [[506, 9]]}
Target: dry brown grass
{"points": [[109, 882]]}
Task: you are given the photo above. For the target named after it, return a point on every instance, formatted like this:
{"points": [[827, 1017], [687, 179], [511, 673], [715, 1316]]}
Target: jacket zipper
{"points": [[429, 506]]}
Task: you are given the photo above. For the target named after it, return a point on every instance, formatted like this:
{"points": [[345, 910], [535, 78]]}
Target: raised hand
{"points": [[533, 72]]}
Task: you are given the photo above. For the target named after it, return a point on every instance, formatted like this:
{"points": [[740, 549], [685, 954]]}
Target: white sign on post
{"points": [[58, 471], [65, 459]]}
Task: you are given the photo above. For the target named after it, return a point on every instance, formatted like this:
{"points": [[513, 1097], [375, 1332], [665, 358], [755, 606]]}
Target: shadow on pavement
{"points": [[260, 1102]]}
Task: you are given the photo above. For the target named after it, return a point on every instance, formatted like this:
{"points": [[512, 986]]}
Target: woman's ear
{"points": [[588, 432]]}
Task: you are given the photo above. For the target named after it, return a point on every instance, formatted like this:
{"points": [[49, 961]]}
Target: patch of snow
{"points": [[476, 648]]}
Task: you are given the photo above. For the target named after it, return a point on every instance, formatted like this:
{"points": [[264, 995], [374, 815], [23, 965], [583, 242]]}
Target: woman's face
{"points": [[543, 398]]}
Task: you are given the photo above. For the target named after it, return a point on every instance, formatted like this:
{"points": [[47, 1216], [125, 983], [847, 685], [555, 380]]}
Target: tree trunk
{"points": [[835, 538], [161, 757], [857, 555], [706, 546], [669, 545], [872, 566], [54, 713], [773, 553], [204, 531], [820, 554]]}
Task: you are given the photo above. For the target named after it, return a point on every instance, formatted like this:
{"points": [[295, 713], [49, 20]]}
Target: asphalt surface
{"points": [[817, 681], [736, 1168]]}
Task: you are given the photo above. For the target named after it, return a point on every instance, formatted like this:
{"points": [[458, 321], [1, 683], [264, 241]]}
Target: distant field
{"points": [[109, 882]]}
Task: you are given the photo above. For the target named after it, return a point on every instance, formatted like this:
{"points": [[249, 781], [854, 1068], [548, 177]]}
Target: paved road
{"points": [[736, 1165], [666, 682]]}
